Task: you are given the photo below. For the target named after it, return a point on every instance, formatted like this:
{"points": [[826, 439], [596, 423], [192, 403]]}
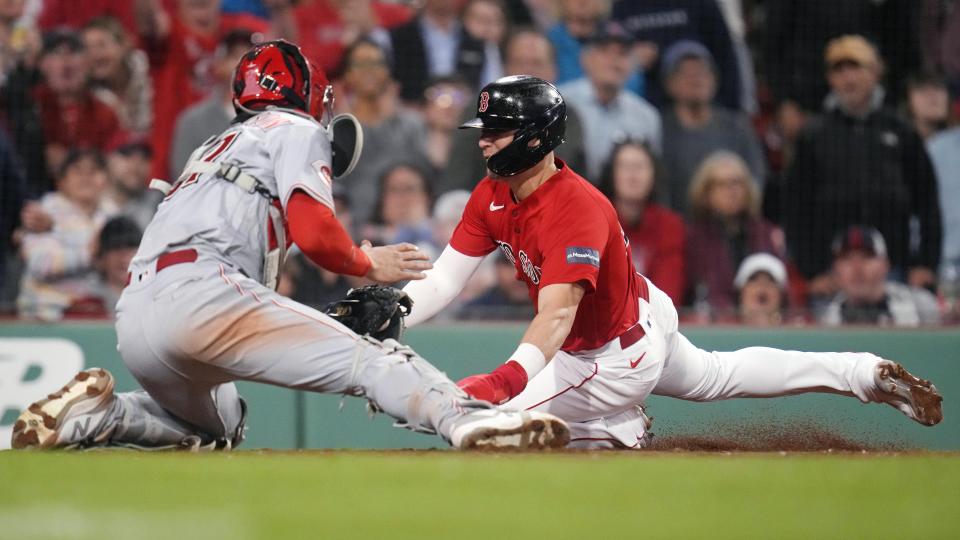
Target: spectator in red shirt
{"points": [[181, 48], [71, 115], [324, 28], [657, 235], [726, 228], [75, 14]]}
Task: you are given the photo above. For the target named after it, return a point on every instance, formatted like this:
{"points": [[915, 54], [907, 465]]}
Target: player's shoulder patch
{"points": [[322, 168], [583, 255]]}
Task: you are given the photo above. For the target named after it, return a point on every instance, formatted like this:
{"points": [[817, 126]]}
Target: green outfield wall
{"points": [[35, 359]]}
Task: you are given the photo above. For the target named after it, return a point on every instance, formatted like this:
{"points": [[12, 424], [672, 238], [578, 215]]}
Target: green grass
{"points": [[372, 495]]}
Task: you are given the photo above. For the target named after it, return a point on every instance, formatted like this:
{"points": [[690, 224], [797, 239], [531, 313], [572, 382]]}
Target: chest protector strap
{"points": [[273, 258], [273, 255]]}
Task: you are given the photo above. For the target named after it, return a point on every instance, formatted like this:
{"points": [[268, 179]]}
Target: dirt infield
{"points": [[796, 437]]}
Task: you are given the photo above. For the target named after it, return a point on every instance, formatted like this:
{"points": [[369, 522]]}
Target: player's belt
{"points": [[170, 258], [633, 334]]}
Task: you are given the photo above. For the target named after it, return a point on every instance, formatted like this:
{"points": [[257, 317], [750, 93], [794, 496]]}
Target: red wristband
{"points": [[511, 377]]}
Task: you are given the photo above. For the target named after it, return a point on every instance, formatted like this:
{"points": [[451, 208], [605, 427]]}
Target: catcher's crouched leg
{"points": [[145, 425], [399, 382]]}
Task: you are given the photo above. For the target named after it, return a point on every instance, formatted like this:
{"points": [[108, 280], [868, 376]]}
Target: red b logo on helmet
{"points": [[484, 102]]}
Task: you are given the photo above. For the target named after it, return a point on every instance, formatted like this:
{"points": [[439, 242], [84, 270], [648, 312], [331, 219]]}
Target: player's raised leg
{"points": [[694, 374]]}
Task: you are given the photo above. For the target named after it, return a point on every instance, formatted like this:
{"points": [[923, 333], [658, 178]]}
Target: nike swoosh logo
{"points": [[636, 362], [494, 208]]}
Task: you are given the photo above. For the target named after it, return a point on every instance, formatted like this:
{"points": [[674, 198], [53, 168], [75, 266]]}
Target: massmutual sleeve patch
{"points": [[583, 255]]}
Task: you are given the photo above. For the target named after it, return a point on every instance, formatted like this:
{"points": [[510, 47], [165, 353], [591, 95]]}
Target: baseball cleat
{"points": [[917, 398], [499, 429], [647, 438], [69, 417]]}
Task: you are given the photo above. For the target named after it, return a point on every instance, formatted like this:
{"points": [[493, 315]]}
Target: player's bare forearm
{"points": [[557, 309]]}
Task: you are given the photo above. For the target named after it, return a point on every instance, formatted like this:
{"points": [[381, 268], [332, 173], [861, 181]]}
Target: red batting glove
{"points": [[497, 387], [484, 387]]}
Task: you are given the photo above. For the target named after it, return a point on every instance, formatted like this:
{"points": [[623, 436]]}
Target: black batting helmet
{"points": [[531, 106]]}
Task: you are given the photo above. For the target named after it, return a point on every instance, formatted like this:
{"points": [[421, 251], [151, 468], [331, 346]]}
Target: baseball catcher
{"points": [[200, 310]]}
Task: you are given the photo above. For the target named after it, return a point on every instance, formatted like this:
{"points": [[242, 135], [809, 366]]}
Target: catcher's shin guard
{"points": [[399, 382], [152, 429]]}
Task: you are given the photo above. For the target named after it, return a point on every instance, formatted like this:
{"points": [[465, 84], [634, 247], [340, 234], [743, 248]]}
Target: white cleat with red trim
{"points": [[496, 429]]}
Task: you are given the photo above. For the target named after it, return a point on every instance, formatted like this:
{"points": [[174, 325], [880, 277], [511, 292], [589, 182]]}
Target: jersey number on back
{"points": [[211, 150]]}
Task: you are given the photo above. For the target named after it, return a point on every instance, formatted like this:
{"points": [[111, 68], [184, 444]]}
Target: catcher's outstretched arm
{"points": [[315, 229], [443, 283]]}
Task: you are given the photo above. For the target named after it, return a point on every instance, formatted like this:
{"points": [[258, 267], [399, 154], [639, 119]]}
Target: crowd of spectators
{"points": [[771, 161]]}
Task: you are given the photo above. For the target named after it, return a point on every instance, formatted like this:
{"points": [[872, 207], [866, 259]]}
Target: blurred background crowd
{"points": [[772, 161]]}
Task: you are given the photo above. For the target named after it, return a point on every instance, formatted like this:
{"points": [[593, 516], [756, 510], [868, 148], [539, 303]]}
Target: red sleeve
{"points": [[572, 252], [668, 268], [106, 126], [52, 15], [160, 49], [472, 236], [315, 229]]}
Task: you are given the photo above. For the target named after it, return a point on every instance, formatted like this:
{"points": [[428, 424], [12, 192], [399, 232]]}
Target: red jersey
{"points": [[87, 123], [320, 29], [564, 232], [658, 243], [180, 66], [76, 14]]}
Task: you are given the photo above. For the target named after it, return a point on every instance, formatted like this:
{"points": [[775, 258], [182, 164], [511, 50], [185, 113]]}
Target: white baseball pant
{"points": [[187, 332], [597, 391]]}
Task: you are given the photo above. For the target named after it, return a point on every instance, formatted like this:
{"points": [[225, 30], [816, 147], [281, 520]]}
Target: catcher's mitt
{"points": [[373, 310]]}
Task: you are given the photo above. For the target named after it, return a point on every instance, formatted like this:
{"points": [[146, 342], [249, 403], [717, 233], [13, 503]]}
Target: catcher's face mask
{"points": [[346, 142]]}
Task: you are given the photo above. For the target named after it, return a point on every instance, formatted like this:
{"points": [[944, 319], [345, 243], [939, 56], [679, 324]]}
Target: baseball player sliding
{"points": [[604, 337], [200, 309]]}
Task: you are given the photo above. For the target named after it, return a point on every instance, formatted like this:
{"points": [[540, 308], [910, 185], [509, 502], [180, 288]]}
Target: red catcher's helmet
{"points": [[276, 73]]}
